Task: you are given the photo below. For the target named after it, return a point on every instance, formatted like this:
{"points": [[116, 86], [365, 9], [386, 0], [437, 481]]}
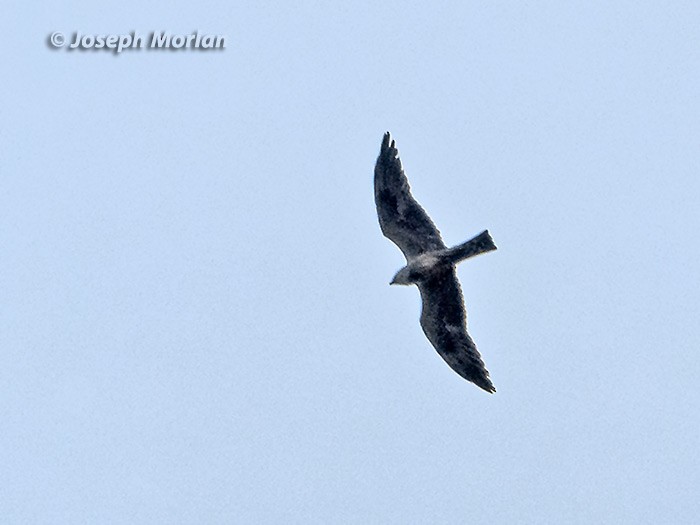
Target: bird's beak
{"points": [[393, 281]]}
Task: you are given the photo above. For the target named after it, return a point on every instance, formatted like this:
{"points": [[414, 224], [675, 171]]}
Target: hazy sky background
{"points": [[196, 324]]}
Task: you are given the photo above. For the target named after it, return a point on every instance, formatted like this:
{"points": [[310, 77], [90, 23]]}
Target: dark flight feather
{"points": [[444, 322], [401, 218]]}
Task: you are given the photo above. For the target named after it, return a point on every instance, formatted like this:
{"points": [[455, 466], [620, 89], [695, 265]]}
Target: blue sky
{"points": [[195, 319]]}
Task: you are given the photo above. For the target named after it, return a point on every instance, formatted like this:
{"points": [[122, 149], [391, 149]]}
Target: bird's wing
{"points": [[444, 322], [401, 218]]}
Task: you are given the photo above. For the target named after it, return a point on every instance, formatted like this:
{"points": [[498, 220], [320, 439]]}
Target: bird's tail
{"points": [[482, 243]]}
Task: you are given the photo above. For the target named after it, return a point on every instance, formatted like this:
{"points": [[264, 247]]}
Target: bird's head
{"points": [[403, 276]]}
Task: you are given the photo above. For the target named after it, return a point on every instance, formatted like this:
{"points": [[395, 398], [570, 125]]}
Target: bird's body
{"points": [[430, 265]]}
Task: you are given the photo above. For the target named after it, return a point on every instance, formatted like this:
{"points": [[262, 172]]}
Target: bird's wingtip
{"points": [[387, 140], [487, 387]]}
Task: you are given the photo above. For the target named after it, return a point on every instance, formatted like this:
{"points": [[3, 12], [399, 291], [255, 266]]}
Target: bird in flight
{"points": [[430, 265]]}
